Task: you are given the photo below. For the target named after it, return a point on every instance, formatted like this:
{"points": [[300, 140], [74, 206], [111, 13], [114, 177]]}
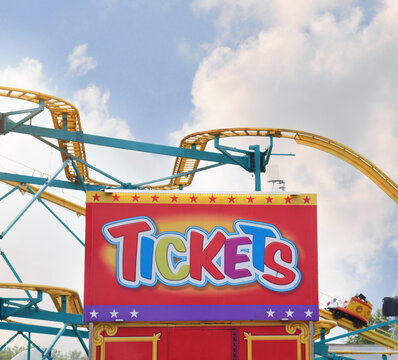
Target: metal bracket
{"points": [[257, 160], [4, 129]]}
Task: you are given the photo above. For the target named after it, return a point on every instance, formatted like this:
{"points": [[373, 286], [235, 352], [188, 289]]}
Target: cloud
{"points": [[233, 14], [79, 62], [38, 242], [26, 74], [127, 166], [316, 67], [92, 103]]}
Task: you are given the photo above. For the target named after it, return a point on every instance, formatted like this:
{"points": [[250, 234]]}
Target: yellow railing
{"points": [[73, 303], [200, 140]]}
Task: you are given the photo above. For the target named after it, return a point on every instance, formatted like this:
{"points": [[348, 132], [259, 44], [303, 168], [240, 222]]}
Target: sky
{"points": [[157, 71]]}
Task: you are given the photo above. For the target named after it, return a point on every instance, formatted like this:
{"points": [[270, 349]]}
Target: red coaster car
{"points": [[357, 310]]}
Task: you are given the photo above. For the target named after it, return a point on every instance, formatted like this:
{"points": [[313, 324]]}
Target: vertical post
{"points": [[64, 121], [90, 340], [29, 335], [311, 339], [257, 166]]}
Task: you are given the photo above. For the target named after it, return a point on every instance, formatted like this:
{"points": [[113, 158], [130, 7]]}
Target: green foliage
{"points": [[378, 318], [9, 353]]}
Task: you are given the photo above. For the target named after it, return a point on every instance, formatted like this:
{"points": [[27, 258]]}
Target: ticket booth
{"points": [[200, 276]]}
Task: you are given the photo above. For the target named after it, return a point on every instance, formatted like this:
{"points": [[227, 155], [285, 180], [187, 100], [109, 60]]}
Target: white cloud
{"points": [[79, 62], [93, 107], [128, 166], [269, 13], [27, 74], [314, 66]]}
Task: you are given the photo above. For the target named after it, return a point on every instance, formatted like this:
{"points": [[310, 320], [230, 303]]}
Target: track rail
{"points": [[73, 302], [371, 335], [57, 108], [200, 140]]}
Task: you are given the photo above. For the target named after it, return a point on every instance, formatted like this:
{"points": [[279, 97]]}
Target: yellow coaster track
{"points": [[73, 302], [57, 108], [200, 140], [371, 335]]}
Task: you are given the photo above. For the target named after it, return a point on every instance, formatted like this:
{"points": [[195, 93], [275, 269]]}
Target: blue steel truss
{"points": [[27, 308], [253, 160]]}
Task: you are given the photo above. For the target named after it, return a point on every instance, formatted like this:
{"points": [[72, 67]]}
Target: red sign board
{"points": [[200, 257]]}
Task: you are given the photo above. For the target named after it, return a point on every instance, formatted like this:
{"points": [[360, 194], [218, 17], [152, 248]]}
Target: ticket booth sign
{"points": [[200, 257]]}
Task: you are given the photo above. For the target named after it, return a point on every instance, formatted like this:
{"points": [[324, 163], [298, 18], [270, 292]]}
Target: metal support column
{"points": [[9, 340], [47, 353], [10, 192], [257, 166], [74, 327]]}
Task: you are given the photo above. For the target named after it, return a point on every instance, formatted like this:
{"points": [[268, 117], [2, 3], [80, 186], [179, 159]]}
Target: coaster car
{"points": [[357, 310]]}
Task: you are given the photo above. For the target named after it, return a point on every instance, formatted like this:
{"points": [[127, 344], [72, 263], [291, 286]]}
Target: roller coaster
{"points": [[71, 140]]}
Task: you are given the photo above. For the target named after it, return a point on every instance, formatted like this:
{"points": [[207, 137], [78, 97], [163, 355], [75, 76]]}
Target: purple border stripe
{"points": [[93, 313]]}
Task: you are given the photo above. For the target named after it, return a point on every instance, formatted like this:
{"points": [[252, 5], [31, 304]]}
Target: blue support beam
{"points": [[37, 195], [35, 180], [39, 329], [257, 166], [355, 332], [70, 156], [253, 161], [47, 353], [9, 125], [14, 272], [78, 335], [16, 309], [10, 192], [8, 341], [321, 348], [137, 186], [56, 216], [79, 136], [236, 160], [31, 342], [79, 176], [40, 314]]}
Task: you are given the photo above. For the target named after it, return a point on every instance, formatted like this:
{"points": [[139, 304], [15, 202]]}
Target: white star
{"points": [[114, 313], [289, 313], [134, 313], [270, 313], [94, 314], [308, 313]]}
